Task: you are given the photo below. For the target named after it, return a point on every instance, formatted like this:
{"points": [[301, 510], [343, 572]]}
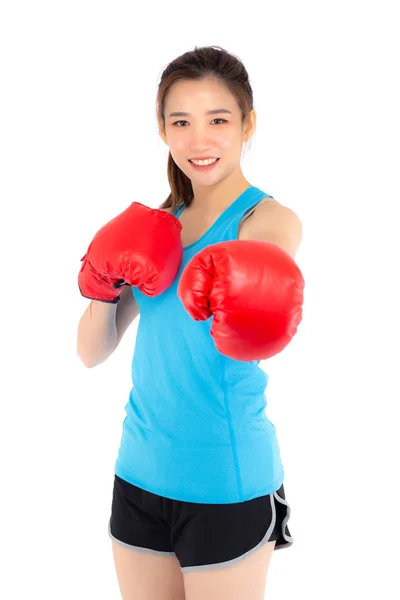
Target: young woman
{"points": [[198, 502]]}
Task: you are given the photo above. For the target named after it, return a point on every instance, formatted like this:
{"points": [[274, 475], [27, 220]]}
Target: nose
{"points": [[200, 141], [200, 147]]}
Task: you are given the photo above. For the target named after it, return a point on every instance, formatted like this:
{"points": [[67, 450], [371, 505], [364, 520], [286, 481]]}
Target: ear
{"points": [[161, 131], [162, 134], [250, 127]]}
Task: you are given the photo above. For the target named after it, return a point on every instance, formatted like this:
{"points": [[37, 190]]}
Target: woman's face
{"points": [[198, 134]]}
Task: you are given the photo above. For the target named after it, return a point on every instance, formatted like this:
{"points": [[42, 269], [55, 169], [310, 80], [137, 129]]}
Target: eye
{"points": [[217, 119]]}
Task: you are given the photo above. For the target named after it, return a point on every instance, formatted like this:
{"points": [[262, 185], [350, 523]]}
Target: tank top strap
{"points": [[245, 202], [178, 210], [249, 198]]}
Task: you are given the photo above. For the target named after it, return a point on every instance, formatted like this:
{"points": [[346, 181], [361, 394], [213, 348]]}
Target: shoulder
{"points": [[272, 221], [263, 210], [268, 200], [278, 209], [270, 210]]}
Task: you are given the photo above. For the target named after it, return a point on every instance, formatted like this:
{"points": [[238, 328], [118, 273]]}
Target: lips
{"points": [[202, 157], [209, 158], [204, 168]]}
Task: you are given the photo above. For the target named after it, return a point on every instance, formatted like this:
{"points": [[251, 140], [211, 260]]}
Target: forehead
{"points": [[204, 94]]}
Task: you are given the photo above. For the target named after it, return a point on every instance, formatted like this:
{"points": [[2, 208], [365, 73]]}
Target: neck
{"points": [[216, 198]]}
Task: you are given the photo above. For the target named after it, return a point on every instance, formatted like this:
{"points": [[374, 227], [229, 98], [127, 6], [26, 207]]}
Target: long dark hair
{"points": [[200, 63]]}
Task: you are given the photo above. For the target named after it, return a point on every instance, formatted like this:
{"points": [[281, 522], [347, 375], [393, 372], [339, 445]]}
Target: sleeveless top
{"points": [[196, 429]]}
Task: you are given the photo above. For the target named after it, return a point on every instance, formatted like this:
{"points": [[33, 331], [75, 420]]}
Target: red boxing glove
{"points": [[140, 247], [254, 290]]}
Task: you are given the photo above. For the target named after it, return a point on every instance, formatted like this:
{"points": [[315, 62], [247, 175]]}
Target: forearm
{"points": [[97, 333]]}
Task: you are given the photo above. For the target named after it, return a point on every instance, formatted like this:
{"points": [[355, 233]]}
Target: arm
{"points": [[252, 288], [102, 327]]}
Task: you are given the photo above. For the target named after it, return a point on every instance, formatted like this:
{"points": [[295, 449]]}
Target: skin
{"points": [[207, 135]]}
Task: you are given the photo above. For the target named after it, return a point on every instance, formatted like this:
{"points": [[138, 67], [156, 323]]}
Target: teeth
{"points": [[204, 162]]}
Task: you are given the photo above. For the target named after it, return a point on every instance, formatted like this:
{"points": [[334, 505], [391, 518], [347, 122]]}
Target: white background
{"points": [[79, 143]]}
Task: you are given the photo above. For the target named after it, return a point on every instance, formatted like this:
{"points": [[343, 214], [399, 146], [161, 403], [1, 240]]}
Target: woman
{"points": [[198, 502]]}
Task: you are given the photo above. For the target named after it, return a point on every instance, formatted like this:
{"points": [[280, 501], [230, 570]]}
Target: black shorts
{"points": [[200, 535]]}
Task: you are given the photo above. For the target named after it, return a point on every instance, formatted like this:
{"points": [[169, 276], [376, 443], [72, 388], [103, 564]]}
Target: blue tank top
{"points": [[196, 429]]}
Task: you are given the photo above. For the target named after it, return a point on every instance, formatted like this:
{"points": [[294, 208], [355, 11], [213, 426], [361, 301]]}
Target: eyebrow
{"points": [[215, 111]]}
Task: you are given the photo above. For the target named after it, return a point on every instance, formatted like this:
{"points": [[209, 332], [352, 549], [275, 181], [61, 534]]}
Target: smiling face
{"points": [[200, 133]]}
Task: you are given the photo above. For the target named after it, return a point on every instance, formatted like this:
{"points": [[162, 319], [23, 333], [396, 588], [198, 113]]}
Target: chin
{"points": [[186, 171]]}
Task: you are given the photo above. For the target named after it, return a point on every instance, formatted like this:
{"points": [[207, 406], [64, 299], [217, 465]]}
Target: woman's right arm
{"points": [[102, 327]]}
